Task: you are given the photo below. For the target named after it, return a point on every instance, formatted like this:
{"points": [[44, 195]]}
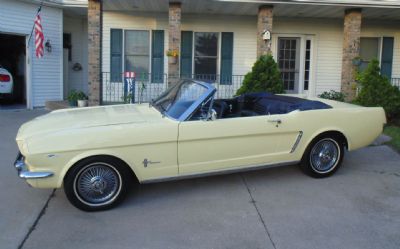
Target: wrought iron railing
{"points": [[150, 86]]}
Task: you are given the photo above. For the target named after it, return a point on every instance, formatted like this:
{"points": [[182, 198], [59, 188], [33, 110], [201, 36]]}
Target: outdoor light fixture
{"points": [[48, 46]]}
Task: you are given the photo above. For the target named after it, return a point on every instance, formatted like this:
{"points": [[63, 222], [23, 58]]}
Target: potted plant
{"points": [[172, 56], [82, 99], [72, 97]]}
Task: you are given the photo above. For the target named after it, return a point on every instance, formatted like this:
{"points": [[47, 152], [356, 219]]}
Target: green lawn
{"points": [[394, 132]]}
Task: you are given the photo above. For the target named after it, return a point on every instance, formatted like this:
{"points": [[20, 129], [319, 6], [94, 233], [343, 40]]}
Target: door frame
{"points": [[302, 53]]}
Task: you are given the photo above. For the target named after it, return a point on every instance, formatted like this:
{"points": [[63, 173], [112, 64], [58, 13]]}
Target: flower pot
{"points": [[82, 103], [72, 102], [173, 59]]}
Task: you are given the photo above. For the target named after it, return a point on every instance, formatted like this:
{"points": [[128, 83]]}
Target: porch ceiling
{"points": [[232, 7]]}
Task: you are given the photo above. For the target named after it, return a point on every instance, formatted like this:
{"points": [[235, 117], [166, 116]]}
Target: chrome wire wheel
{"points": [[97, 184], [325, 155]]}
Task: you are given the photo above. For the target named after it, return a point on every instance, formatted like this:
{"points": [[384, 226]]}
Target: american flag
{"points": [[39, 37]]}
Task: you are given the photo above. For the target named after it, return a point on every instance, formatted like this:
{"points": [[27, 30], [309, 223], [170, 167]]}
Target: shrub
{"points": [[264, 77], [376, 90], [333, 95], [81, 96]]}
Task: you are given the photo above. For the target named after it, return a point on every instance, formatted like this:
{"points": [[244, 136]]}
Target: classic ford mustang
{"points": [[96, 153]]}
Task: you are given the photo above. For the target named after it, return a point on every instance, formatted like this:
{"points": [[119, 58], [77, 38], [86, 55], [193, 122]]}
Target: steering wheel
{"points": [[220, 107]]}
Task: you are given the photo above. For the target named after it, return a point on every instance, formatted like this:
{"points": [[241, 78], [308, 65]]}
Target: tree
{"points": [[376, 90], [264, 77]]}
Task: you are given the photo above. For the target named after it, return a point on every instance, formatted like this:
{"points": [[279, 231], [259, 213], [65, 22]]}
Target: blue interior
{"points": [[255, 104]]}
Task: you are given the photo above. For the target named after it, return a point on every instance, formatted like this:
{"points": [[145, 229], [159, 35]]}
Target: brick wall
{"points": [[351, 49], [264, 22], [174, 39], [94, 27]]}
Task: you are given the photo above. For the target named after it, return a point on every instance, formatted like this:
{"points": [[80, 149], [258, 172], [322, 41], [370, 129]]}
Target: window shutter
{"points": [[157, 58], [116, 55], [387, 57], [226, 58], [186, 54]]}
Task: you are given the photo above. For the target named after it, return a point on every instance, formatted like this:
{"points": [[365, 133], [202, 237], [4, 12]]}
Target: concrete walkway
{"points": [[359, 207]]}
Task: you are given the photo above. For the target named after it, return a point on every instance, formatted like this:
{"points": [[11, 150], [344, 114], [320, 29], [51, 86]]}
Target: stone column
{"points": [[94, 48], [351, 49], [264, 22], [174, 40]]}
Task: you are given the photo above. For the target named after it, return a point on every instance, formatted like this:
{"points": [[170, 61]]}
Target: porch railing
{"points": [[148, 86]]}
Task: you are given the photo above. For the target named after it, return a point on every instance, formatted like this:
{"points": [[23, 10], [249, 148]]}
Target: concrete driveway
{"points": [[359, 207]]}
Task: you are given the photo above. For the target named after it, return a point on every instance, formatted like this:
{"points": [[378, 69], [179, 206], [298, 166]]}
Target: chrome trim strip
{"points": [[24, 173], [34, 175], [297, 141], [220, 172]]}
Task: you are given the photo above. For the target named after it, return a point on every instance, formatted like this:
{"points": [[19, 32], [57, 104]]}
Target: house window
{"points": [[137, 52], [369, 50], [380, 48], [205, 55], [307, 61], [130, 52], [201, 55], [288, 61]]}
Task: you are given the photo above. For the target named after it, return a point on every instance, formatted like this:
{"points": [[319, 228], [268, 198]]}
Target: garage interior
{"points": [[13, 58]]}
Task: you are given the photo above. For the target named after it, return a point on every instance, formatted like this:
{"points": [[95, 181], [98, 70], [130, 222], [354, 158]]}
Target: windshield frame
{"points": [[210, 90]]}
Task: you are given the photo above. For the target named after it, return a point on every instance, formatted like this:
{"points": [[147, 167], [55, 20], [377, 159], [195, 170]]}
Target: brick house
{"points": [[317, 44]]}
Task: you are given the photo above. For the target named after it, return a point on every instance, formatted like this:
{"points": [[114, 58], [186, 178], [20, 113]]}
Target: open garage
{"points": [[13, 61]]}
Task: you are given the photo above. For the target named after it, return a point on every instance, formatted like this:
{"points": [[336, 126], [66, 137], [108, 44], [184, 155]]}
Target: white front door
{"points": [[289, 62], [295, 61]]}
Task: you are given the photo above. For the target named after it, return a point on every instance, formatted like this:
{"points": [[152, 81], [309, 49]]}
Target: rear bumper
{"points": [[23, 171]]}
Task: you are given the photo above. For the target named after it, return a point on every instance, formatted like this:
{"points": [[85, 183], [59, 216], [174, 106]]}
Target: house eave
{"points": [[352, 4], [59, 3]]}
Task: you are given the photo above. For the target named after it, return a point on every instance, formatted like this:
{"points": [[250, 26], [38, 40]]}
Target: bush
{"points": [[333, 95], [376, 90], [264, 77]]}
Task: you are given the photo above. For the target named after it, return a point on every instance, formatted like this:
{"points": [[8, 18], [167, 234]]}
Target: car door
{"points": [[221, 144]]}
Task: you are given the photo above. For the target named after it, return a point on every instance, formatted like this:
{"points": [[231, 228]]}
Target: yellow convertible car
{"points": [[96, 153]]}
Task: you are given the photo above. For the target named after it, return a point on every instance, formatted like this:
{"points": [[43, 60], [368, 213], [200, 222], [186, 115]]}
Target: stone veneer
{"points": [[264, 22], [174, 39], [94, 36], [351, 50]]}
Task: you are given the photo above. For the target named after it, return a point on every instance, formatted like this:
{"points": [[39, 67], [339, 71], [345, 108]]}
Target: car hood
{"points": [[88, 117]]}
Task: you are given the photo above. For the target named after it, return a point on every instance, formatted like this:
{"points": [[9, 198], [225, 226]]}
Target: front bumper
{"points": [[23, 171]]}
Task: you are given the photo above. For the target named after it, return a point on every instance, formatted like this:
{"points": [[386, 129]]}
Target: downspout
{"points": [[101, 54]]}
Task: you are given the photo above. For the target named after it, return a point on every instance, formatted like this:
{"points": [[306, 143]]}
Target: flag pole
{"points": [[33, 27]]}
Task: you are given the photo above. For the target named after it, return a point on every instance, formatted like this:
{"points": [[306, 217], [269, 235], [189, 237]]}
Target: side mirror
{"points": [[213, 115]]}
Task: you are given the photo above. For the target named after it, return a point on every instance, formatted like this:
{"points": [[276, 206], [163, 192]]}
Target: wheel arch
{"points": [[332, 132], [82, 157]]}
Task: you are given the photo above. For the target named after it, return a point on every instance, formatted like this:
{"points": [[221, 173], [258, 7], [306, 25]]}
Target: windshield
{"points": [[176, 100]]}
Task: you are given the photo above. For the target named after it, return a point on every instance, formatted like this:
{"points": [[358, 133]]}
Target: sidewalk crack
{"points": [[258, 211], [42, 212]]}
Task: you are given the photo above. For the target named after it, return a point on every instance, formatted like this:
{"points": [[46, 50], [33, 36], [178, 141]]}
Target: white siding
{"points": [[327, 37], [327, 48], [115, 20], [385, 29], [46, 73], [77, 27], [244, 29], [244, 37]]}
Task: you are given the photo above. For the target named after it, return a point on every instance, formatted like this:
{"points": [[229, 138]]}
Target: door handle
{"points": [[276, 121]]}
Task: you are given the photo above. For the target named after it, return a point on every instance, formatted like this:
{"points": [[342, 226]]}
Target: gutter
{"points": [[59, 3], [365, 3]]}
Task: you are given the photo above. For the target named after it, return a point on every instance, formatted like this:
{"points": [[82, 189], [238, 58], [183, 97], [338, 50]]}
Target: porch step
{"points": [[56, 105]]}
